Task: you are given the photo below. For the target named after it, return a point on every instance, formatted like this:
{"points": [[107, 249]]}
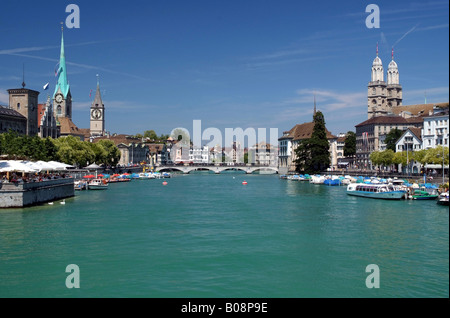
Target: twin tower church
{"points": [[383, 96], [54, 118]]}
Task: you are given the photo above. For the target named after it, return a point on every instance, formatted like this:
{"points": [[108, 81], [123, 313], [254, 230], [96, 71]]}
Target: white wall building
{"points": [[435, 130], [199, 155]]}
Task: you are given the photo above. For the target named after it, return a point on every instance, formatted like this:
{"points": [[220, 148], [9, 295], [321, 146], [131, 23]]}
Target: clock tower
{"points": [[62, 98], [97, 114]]}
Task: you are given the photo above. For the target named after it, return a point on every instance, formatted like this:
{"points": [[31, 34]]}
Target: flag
{"points": [[46, 86], [90, 93]]}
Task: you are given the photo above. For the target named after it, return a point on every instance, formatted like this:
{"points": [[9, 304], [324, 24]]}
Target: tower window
{"points": [[58, 110], [18, 106]]}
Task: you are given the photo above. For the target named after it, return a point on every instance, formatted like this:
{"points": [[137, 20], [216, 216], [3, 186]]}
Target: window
{"points": [[18, 106], [58, 110]]}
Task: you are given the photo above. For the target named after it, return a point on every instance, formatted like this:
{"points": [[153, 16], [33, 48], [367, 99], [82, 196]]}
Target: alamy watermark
{"points": [[373, 19], [236, 141], [73, 19], [73, 279], [373, 279]]}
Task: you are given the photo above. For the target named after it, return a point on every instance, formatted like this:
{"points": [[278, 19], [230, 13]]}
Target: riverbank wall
{"points": [[18, 195]]}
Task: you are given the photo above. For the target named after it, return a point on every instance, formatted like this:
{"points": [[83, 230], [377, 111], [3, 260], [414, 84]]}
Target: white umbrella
{"points": [[93, 166], [32, 165], [14, 165], [60, 165], [46, 166]]}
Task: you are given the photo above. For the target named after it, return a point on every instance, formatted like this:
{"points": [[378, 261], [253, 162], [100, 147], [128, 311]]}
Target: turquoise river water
{"points": [[207, 235]]}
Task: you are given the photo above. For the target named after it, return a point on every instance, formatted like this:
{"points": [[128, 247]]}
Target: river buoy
{"points": [[165, 183], [244, 183]]}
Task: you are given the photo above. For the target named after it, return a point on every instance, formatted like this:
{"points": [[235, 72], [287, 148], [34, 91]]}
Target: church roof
{"points": [[119, 139], [11, 112], [303, 131], [394, 120], [67, 127]]}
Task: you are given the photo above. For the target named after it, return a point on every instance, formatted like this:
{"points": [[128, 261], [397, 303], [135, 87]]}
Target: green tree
{"points": [[350, 144], [99, 153], [434, 155], [375, 158], [392, 137], [73, 151], [313, 154], [401, 158], [112, 153], [151, 134]]}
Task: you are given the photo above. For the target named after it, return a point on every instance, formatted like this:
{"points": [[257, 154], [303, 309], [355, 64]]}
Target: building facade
{"points": [[25, 102], [290, 140], [263, 154], [12, 120], [199, 155], [436, 129], [370, 135], [47, 126]]}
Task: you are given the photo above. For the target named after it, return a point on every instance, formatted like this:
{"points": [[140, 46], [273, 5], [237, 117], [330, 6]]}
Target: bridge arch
{"points": [[275, 170]]}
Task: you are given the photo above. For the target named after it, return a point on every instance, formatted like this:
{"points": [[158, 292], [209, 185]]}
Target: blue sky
{"points": [[249, 64]]}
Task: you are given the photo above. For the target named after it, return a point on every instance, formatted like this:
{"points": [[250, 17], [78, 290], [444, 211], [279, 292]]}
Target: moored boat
{"points": [[97, 184], [443, 199], [422, 195], [80, 185], [375, 191]]}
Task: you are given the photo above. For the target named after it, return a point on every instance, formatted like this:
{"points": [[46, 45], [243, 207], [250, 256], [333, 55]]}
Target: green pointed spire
{"points": [[61, 71]]}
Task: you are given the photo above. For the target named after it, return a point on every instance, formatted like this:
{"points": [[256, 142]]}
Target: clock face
{"points": [[59, 98], [96, 114]]}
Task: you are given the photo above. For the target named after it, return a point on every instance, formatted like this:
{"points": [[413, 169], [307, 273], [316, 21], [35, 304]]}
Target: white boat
{"points": [[146, 175], [317, 179], [375, 191], [97, 184], [443, 199], [80, 185]]}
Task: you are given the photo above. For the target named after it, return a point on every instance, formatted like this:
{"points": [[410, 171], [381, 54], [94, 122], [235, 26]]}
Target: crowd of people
{"points": [[34, 177]]}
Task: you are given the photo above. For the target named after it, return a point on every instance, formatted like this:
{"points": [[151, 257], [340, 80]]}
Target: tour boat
{"points": [[375, 191], [98, 184]]}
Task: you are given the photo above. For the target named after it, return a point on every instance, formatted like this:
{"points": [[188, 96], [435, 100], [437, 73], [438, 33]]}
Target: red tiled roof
{"points": [[390, 120], [304, 131]]}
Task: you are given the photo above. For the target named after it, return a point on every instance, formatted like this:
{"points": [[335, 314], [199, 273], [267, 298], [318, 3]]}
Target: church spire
{"points": [[314, 114], [61, 71], [98, 97]]}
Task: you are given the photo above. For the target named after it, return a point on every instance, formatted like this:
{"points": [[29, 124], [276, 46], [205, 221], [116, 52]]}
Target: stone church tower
{"points": [[383, 96], [25, 101], [97, 120], [62, 98], [394, 89]]}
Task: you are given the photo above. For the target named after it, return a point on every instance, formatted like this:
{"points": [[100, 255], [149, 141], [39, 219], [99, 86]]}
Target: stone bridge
{"points": [[218, 169]]}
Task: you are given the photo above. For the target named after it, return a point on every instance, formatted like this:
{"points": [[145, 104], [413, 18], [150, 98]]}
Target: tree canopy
{"points": [[350, 144], [391, 138], [313, 154], [70, 149]]}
